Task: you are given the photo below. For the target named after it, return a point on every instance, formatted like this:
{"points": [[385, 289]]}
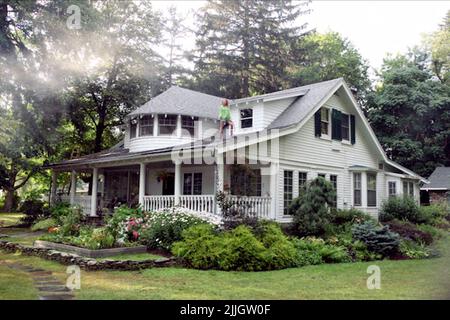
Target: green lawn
{"points": [[9, 219], [411, 279]]}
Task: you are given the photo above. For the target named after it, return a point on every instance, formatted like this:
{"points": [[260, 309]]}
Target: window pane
{"points": [[302, 179], [287, 190], [246, 113], [187, 184], [133, 129], [188, 125], [146, 126], [324, 114], [246, 118], [167, 124], [345, 127], [371, 190], [392, 189], [357, 189], [198, 183], [246, 183], [411, 189]]}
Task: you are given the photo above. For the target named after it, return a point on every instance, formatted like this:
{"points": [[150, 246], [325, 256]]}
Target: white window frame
{"points": [[390, 194], [348, 128], [246, 118], [328, 121], [359, 174]]}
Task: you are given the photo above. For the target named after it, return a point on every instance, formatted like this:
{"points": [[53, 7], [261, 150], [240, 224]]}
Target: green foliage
{"points": [[350, 215], [165, 227], [60, 210], [234, 212], [410, 231], [311, 210], [45, 224], [243, 48], [401, 208], [315, 251], [378, 239], [414, 250], [71, 223], [238, 249], [86, 237], [410, 112], [433, 231], [33, 210], [434, 214], [113, 222], [330, 56]]}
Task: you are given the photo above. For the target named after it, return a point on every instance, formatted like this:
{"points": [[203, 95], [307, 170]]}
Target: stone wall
{"points": [[88, 264]]}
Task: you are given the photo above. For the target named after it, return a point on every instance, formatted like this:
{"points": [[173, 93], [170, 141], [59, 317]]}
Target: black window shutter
{"points": [[317, 123], [336, 123], [352, 129]]}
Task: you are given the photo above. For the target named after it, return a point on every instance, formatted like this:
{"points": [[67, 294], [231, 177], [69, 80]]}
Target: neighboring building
{"points": [[439, 187], [286, 138]]}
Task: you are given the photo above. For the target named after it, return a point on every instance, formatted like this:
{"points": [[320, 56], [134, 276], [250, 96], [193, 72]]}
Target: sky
{"points": [[375, 28]]}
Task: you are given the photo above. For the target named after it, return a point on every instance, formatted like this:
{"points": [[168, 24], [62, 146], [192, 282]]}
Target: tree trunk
{"points": [[10, 204]]}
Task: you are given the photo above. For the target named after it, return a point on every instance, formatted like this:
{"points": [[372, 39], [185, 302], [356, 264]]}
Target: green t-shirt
{"points": [[224, 113]]}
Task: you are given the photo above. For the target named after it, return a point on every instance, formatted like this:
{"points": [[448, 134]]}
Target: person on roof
{"points": [[225, 117]]}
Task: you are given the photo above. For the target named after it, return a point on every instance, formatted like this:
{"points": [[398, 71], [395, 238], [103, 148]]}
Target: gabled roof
{"points": [[176, 100], [439, 179], [301, 107]]}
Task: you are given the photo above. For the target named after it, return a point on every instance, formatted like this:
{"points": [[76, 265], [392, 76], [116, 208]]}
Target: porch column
{"points": [[274, 168], [73, 186], [54, 186], [219, 181], [177, 182], [142, 184], [220, 173], [94, 192]]}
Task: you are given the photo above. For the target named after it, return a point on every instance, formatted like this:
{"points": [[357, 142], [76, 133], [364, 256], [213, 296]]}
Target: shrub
{"points": [[350, 215], [234, 212], [201, 247], [311, 210], [433, 231], [413, 250], [60, 210], [33, 210], [434, 214], [410, 231], [401, 208], [238, 249], [71, 222], [281, 252], [117, 223], [98, 238], [315, 251], [162, 228], [378, 239], [45, 224]]}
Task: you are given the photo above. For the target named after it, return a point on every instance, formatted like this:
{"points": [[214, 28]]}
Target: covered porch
{"points": [[160, 183]]}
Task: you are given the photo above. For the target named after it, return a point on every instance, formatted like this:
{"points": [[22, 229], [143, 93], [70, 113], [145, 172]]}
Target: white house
{"points": [[171, 154]]}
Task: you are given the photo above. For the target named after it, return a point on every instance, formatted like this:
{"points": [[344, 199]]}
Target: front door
{"points": [[169, 185]]}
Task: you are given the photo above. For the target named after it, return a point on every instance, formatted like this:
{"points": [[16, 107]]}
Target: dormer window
{"points": [[325, 121], [146, 126], [188, 125], [167, 124], [345, 127], [246, 118]]}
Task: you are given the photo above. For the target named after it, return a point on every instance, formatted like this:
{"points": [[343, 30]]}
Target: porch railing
{"points": [[253, 206], [83, 201], [201, 203], [152, 203]]}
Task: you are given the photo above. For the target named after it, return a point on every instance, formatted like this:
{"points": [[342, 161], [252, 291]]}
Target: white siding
{"points": [[273, 109], [317, 155]]}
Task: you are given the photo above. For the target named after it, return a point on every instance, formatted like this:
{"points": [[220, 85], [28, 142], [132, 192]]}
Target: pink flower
{"points": [[135, 235]]}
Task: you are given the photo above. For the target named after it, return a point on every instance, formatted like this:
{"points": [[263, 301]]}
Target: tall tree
{"points": [[320, 57], [410, 113], [124, 71], [438, 43], [174, 31], [243, 47]]}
